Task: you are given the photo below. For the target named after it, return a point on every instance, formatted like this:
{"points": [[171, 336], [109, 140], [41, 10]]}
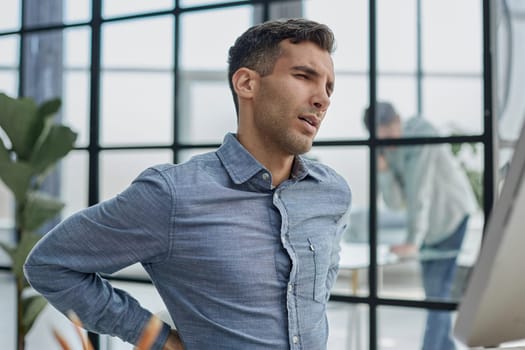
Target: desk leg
{"points": [[353, 339], [354, 282]]}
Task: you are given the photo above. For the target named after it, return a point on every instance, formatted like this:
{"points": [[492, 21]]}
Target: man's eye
{"points": [[302, 76]]}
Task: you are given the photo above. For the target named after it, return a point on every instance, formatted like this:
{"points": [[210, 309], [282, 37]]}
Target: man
{"points": [[242, 243], [430, 183]]}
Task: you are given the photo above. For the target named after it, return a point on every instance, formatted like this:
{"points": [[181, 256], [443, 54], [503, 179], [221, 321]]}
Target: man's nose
{"points": [[321, 100]]}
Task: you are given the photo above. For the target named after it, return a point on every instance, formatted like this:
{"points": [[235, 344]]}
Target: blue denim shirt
{"points": [[239, 264]]}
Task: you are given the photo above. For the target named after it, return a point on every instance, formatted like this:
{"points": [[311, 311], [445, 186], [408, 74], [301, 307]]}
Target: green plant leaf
{"points": [[55, 142], [17, 176], [4, 153], [455, 147], [48, 108], [18, 118], [39, 208], [32, 307], [27, 242], [45, 112]]}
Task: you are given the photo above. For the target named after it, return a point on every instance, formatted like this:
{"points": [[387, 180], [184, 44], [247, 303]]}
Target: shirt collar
{"points": [[242, 166]]}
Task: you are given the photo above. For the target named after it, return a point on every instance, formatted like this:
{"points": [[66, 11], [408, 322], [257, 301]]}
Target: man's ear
{"points": [[244, 82]]}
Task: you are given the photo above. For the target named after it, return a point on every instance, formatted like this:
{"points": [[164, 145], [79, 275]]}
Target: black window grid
{"points": [[372, 300]]}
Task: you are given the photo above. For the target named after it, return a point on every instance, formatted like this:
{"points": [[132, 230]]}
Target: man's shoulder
{"points": [[184, 171], [326, 174], [208, 159], [321, 170]]}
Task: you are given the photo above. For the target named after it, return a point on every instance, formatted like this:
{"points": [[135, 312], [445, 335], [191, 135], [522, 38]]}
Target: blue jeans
{"points": [[438, 276]]}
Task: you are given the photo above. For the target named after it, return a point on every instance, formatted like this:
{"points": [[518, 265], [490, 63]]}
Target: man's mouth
{"points": [[310, 119]]}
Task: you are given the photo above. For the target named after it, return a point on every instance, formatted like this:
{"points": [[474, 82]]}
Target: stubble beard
{"points": [[278, 128], [289, 140]]}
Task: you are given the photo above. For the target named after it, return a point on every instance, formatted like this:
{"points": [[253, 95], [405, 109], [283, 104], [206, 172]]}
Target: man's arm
{"points": [[420, 193], [65, 265], [388, 184]]}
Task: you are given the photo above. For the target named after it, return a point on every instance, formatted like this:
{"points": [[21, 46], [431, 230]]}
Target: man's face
{"points": [[291, 102]]}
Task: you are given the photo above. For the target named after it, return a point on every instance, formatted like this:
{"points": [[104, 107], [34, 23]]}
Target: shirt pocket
{"points": [[319, 252]]}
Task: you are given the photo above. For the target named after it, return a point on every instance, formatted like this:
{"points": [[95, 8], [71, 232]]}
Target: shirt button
{"points": [[295, 339], [290, 287], [265, 176]]}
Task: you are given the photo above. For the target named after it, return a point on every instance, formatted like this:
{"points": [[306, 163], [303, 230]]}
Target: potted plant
{"points": [[32, 144]]}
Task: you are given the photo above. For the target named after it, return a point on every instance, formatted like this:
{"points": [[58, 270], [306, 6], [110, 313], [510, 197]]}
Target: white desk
{"points": [[353, 258], [357, 255]]}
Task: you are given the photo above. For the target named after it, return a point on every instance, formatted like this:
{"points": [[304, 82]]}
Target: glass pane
{"points": [[9, 47], [9, 82], [75, 97], [188, 3], [7, 309], [44, 64], [41, 336], [74, 182], [75, 104], [404, 328], [7, 224], [77, 46], [59, 67], [7, 206], [187, 154], [119, 168], [206, 122], [344, 119], [214, 54], [454, 105], [9, 15], [401, 91], [430, 219], [456, 46], [396, 35], [144, 43], [111, 8], [349, 22], [462, 114], [509, 83], [77, 10], [355, 248], [136, 108], [348, 326]]}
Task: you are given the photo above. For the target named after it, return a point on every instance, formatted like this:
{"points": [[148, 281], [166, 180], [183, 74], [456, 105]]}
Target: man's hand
{"points": [[404, 250], [173, 342]]}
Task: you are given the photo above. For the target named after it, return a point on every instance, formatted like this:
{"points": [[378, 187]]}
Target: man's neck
{"points": [[278, 164]]}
